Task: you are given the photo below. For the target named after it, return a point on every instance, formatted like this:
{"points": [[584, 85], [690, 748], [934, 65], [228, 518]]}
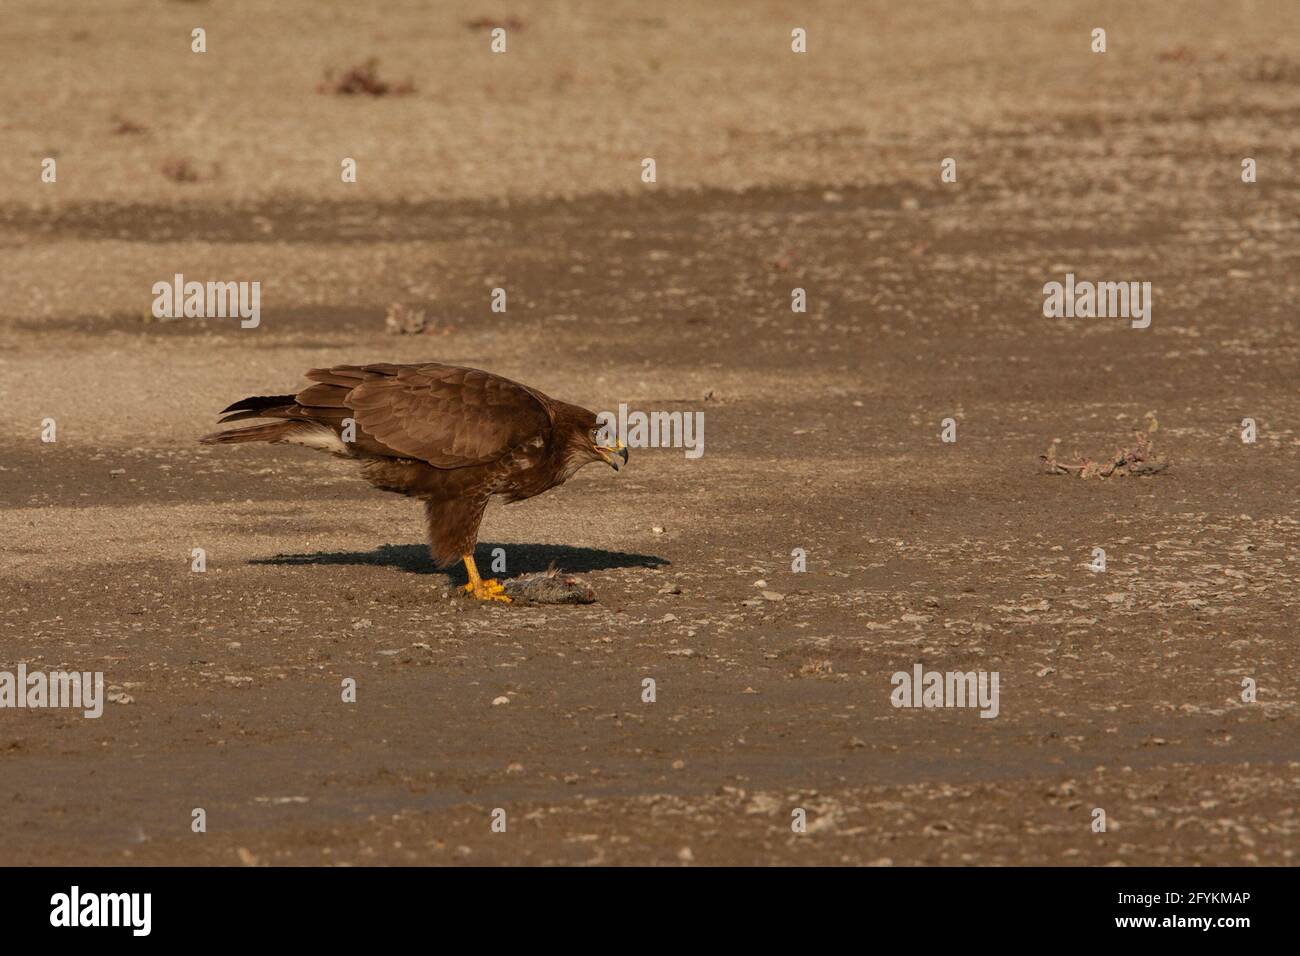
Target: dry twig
{"points": [[1139, 458]]}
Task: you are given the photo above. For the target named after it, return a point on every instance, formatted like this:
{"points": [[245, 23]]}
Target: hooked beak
{"points": [[615, 457]]}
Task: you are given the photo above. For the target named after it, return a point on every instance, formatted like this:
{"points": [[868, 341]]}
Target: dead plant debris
{"points": [[1138, 458], [180, 169], [402, 319], [362, 79]]}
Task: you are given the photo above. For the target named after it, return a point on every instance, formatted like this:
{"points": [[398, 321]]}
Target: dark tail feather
{"points": [[272, 411], [258, 402], [275, 431]]}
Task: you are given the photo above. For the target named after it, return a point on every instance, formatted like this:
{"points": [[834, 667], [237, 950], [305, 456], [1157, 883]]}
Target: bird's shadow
{"points": [[520, 559]]}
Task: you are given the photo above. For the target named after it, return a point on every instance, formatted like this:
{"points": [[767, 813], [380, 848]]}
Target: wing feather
{"points": [[445, 415]]}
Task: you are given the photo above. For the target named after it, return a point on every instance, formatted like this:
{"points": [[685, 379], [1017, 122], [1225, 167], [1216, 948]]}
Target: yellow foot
{"points": [[490, 590]]}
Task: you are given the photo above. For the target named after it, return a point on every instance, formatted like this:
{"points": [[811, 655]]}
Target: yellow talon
{"points": [[489, 590]]}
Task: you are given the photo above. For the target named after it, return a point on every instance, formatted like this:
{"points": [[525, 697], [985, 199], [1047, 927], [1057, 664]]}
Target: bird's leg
{"points": [[489, 590]]}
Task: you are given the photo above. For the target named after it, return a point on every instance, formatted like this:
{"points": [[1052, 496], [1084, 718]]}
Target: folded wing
{"points": [[445, 415]]}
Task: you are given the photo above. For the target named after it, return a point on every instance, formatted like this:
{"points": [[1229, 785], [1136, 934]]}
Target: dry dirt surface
{"points": [[1125, 691]]}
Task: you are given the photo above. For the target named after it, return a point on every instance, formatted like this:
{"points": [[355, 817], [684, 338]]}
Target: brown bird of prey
{"points": [[450, 436]]}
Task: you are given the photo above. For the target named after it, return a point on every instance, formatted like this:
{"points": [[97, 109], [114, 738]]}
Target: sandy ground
{"points": [[1120, 691]]}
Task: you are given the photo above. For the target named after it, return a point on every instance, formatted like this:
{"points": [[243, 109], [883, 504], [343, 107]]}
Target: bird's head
{"points": [[588, 440]]}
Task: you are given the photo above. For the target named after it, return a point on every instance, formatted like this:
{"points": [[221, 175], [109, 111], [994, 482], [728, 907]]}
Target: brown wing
{"points": [[445, 415]]}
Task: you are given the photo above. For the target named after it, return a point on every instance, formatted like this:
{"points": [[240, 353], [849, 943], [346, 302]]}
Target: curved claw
{"points": [[490, 590]]}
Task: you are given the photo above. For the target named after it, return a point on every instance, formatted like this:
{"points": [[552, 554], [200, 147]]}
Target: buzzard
{"points": [[450, 436]]}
